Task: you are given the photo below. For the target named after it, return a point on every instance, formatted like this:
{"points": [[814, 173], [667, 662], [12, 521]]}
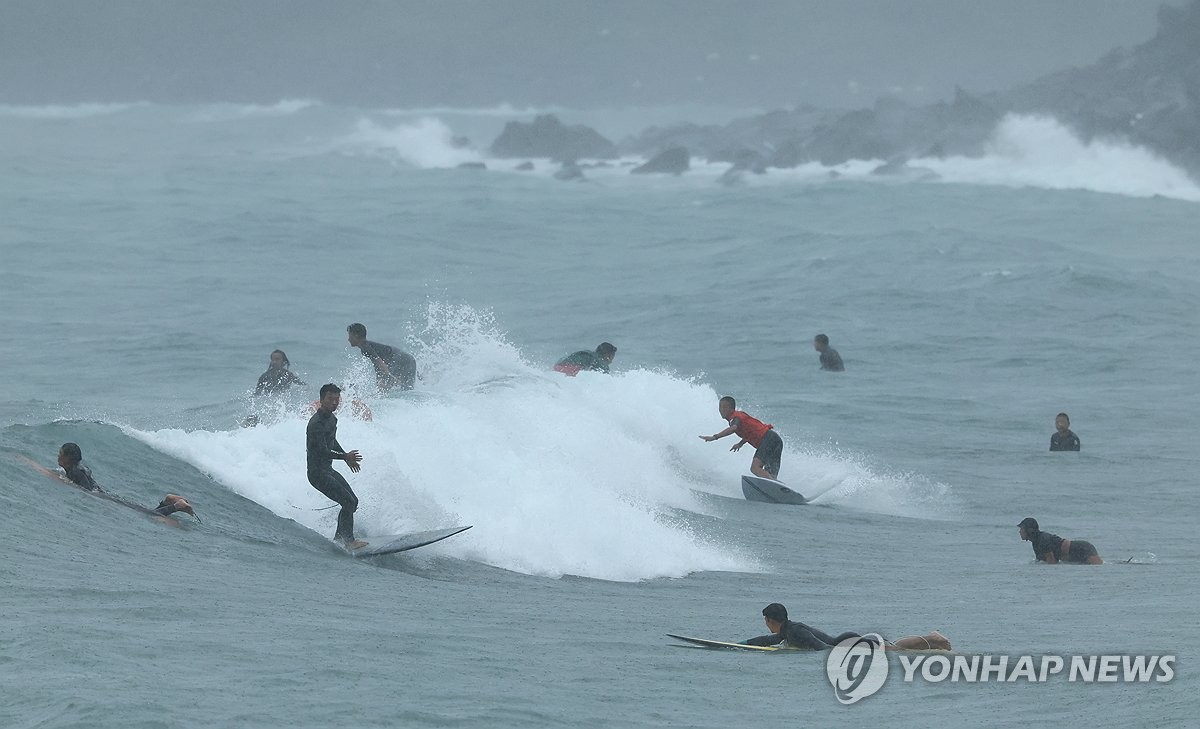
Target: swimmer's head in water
{"points": [[1029, 526], [70, 453], [357, 334], [607, 351], [1062, 422], [280, 359]]}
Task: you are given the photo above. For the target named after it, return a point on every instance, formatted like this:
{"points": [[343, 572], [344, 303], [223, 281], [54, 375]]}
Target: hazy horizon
{"points": [[468, 53]]}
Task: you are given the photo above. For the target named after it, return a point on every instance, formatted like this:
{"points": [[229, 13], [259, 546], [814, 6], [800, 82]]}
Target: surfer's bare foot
{"points": [[937, 641], [180, 503]]}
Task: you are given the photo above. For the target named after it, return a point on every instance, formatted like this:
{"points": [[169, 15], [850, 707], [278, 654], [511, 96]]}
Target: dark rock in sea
{"points": [[525, 166], [548, 137], [472, 166], [673, 161], [569, 171]]}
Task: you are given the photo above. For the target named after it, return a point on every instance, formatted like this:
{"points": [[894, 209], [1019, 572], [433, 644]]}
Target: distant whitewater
{"points": [[1024, 151]]}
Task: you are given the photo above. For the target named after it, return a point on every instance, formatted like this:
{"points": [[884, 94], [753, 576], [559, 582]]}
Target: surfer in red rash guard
{"points": [[768, 444]]}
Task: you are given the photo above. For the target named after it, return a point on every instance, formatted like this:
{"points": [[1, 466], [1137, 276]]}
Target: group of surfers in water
{"points": [[397, 369]]}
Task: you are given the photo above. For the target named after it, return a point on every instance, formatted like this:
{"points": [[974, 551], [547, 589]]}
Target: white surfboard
{"points": [[403, 542], [771, 492], [723, 645]]}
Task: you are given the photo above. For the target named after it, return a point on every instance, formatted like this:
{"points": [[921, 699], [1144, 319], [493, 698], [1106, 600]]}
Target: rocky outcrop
{"points": [[1148, 95], [569, 171], [672, 161], [548, 137]]}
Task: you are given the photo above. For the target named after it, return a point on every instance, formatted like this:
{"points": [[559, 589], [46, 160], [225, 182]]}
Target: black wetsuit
{"points": [[1045, 543], [582, 360], [832, 361], [799, 635], [276, 379], [323, 448], [1064, 441], [81, 476], [401, 366]]}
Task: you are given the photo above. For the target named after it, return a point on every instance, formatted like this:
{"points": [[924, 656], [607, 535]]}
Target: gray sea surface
{"points": [[154, 256]]}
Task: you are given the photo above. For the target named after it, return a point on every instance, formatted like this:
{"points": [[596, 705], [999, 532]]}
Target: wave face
{"points": [[529, 453]]}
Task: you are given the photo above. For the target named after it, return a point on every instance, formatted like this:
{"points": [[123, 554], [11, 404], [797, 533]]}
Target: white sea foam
{"points": [[1035, 151], [72, 111], [234, 112], [426, 142], [591, 476]]}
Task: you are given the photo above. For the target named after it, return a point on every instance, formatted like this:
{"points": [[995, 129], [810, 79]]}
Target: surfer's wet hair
{"points": [[606, 350], [775, 612], [821, 339], [281, 353], [72, 452], [728, 399], [329, 387], [357, 330], [1064, 416]]}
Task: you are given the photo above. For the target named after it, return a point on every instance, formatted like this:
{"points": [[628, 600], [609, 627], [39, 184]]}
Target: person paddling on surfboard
{"points": [[598, 361], [1052, 549], [70, 457], [767, 443], [798, 635], [323, 448]]}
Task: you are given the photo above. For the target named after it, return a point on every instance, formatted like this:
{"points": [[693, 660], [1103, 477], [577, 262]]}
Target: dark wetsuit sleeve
{"points": [[799, 635], [321, 442], [1046, 543], [1060, 442], [765, 640], [832, 361], [81, 476]]}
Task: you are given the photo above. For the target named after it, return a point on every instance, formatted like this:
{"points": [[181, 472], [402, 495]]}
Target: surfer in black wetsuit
{"points": [[393, 368], [70, 458], [278, 377], [323, 448], [831, 361], [1063, 439], [799, 635], [597, 361], [1052, 549]]}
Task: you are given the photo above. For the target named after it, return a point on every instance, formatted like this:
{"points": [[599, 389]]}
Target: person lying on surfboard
{"points": [[799, 635], [1052, 549], [70, 457], [598, 361], [767, 443]]}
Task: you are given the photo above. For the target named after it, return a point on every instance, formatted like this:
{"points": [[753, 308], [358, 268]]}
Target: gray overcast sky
{"points": [[764, 53]]}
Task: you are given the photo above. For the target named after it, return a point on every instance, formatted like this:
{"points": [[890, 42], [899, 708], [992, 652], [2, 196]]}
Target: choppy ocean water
{"points": [[154, 256]]}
